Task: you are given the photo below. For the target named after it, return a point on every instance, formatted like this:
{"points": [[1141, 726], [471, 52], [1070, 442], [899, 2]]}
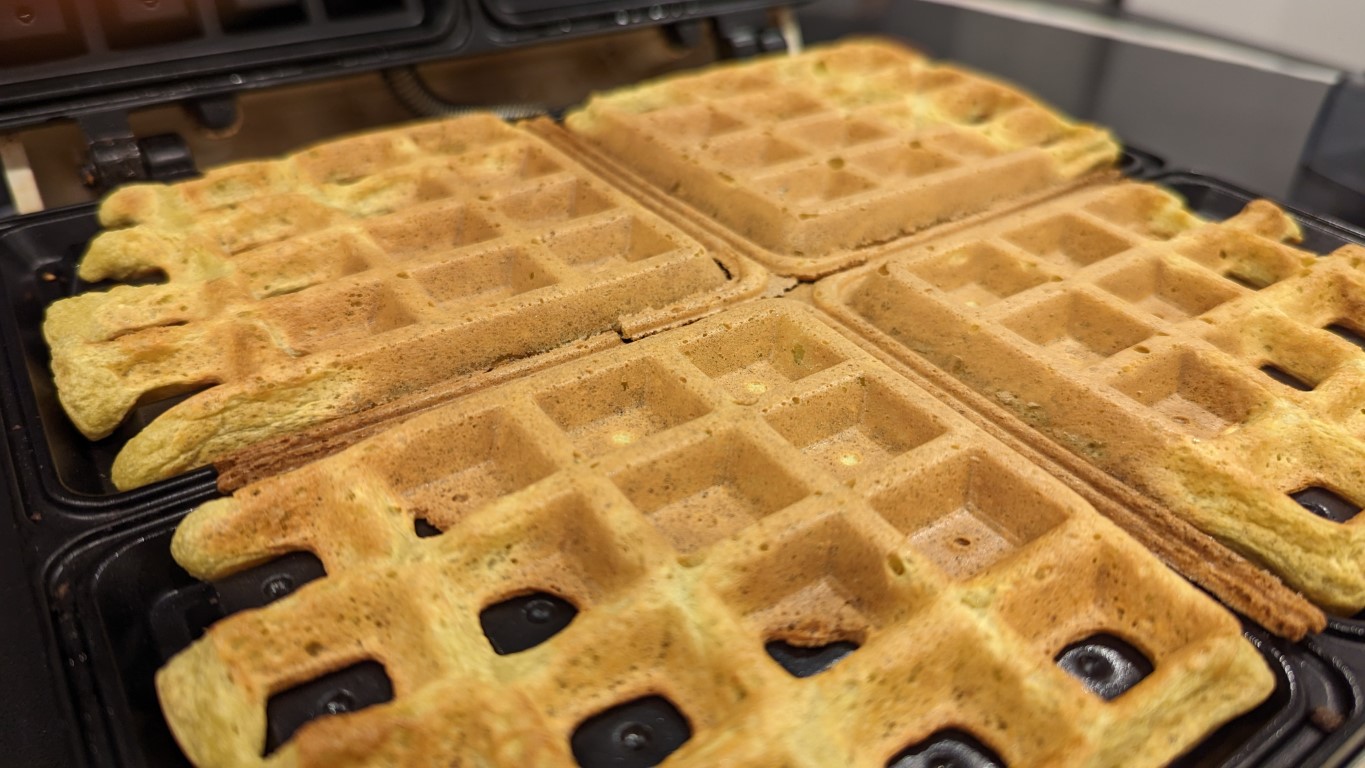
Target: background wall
{"points": [[1325, 31]]}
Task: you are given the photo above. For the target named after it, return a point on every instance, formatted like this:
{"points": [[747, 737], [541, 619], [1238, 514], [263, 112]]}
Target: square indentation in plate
{"points": [[1247, 259], [1077, 327], [486, 276], [754, 151], [907, 162], [432, 229], [812, 186], [759, 355], [830, 133], [602, 243], [554, 202], [137, 23], [980, 274], [853, 425], [610, 409], [1196, 396], [711, 489], [1068, 240], [968, 511], [444, 474], [1169, 291]]}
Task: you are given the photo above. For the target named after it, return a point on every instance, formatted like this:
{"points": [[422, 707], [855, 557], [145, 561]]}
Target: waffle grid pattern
{"points": [[814, 156], [365, 259], [751, 477], [1202, 363]]}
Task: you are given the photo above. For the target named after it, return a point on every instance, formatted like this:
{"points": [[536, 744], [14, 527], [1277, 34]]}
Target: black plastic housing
{"points": [[60, 59]]}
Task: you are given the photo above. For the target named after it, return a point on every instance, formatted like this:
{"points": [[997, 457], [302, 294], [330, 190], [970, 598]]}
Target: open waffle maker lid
{"points": [[86, 595]]}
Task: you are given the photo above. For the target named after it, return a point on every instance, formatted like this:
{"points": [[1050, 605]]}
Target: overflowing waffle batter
{"points": [[347, 275]]}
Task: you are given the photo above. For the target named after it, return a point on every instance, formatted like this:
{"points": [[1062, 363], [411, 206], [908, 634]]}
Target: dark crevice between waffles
{"points": [[949, 748], [1286, 378], [805, 661], [1108, 666], [1326, 503], [520, 623], [152, 276], [347, 690], [1355, 337], [637, 734], [424, 529], [180, 617]]}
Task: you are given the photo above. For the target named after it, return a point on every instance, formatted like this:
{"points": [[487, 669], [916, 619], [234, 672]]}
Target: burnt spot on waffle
{"points": [[1198, 363], [782, 572], [346, 276]]}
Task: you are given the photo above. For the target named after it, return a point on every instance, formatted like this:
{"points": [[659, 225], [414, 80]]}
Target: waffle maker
{"points": [[92, 603]]}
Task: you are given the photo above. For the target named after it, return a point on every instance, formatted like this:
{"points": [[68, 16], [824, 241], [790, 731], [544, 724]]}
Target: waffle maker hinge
{"points": [[115, 156]]}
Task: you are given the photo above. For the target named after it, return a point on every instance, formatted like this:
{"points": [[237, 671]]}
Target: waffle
{"points": [[1204, 365], [753, 477], [346, 275], [815, 157]]}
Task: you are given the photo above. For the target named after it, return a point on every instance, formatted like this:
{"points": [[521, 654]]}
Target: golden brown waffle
{"points": [[354, 272], [1153, 345], [815, 157], [749, 478]]}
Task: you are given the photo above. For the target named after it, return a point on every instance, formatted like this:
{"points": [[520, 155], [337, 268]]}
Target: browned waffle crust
{"points": [[814, 158], [752, 477], [349, 274], [1140, 339]]}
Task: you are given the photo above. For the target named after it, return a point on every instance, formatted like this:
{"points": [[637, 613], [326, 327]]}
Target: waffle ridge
{"points": [[1201, 363], [816, 157], [750, 477], [345, 275]]}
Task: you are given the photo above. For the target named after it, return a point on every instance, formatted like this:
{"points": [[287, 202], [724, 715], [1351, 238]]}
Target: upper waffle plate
{"points": [[816, 157], [347, 275], [714, 501], [1207, 365]]}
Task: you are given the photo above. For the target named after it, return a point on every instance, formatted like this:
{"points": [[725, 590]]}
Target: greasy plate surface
{"points": [[307, 288], [1207, 365], [815, 157], [751, 478]]}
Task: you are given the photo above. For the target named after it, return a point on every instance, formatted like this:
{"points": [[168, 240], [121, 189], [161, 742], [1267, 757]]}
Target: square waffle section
{"points": [[307, 288], [760, 529], [814, 158], [1207, 365]]}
